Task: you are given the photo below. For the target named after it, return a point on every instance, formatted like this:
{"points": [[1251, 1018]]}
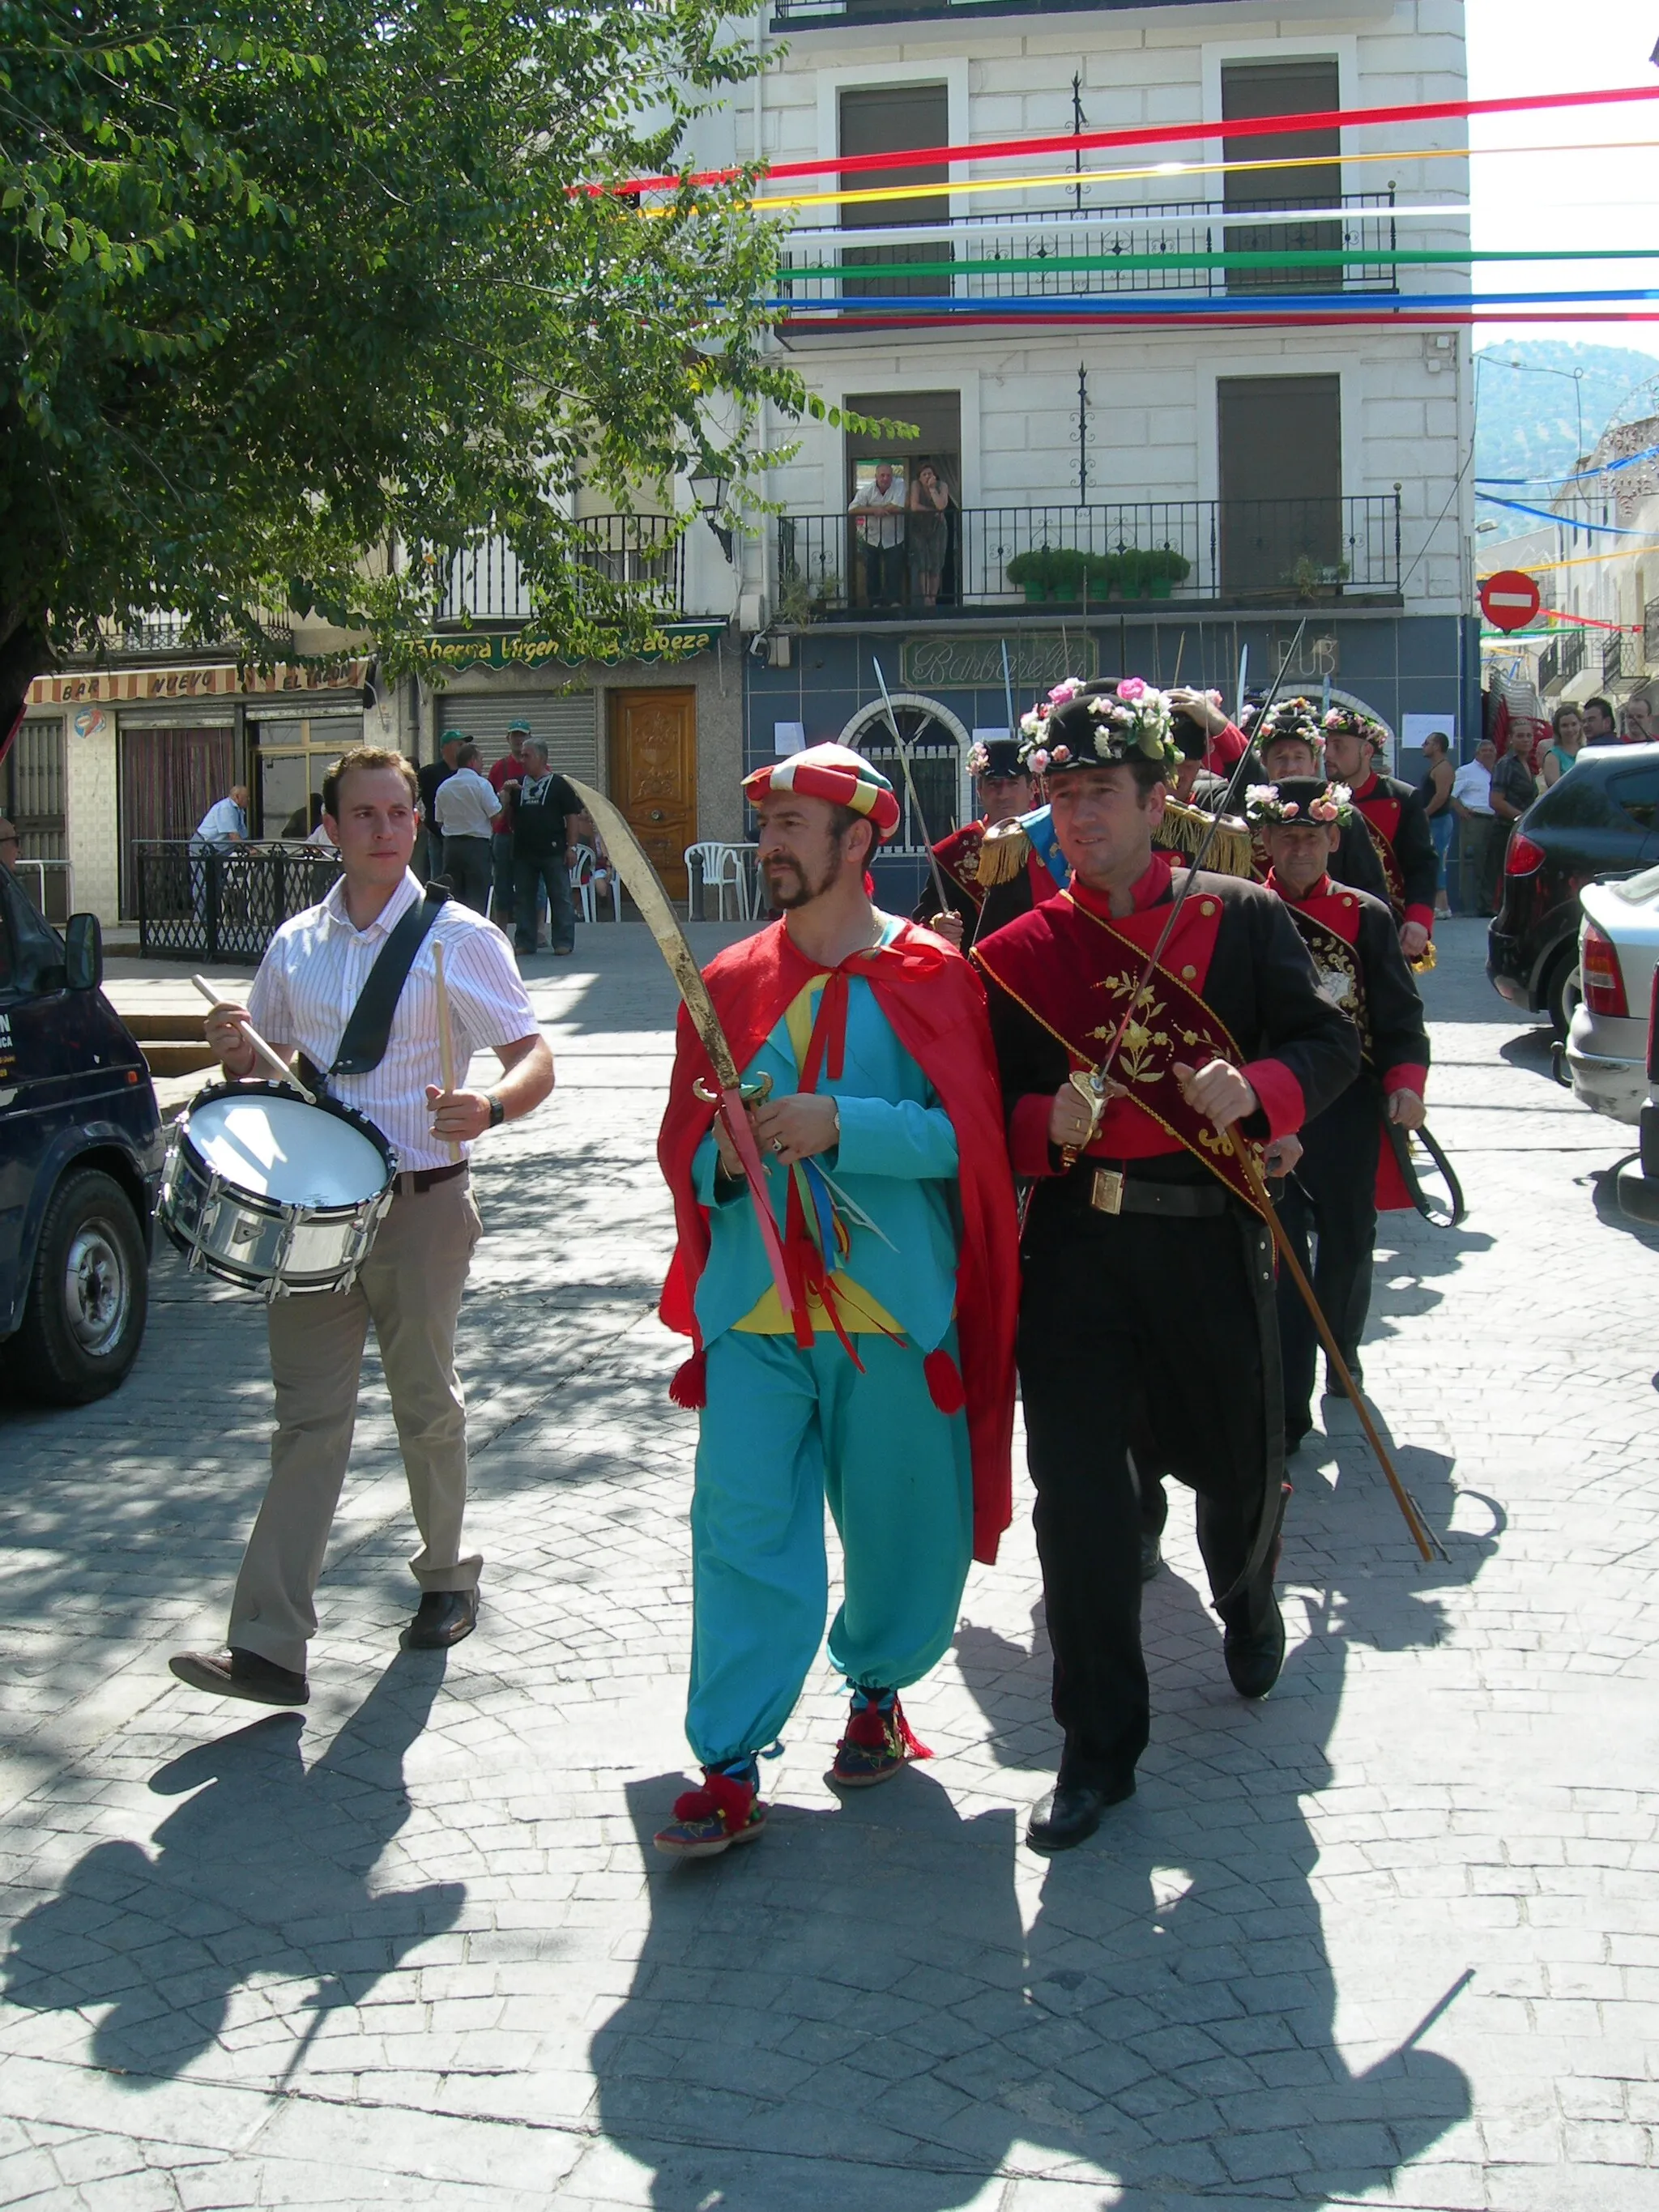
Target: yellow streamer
{"points": [[1579, 561]]}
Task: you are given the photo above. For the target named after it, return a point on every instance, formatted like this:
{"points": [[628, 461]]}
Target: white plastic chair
{"points": [[588, 877], [720, 869]]}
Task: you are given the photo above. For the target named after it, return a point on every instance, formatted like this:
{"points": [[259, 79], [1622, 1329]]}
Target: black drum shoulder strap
{"points": [[364, 1043]]}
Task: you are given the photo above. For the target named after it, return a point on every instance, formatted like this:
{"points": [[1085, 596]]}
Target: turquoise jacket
{"points": [[896, 1160]]}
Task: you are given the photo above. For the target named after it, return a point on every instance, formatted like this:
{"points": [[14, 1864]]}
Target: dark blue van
{"points": [[81, 1152]]}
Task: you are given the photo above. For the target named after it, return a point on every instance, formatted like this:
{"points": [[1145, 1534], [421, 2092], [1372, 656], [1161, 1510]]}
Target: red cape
{"points": [[936, 1004]]}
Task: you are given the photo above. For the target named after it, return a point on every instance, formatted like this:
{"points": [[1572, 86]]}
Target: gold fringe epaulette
{"points": [[1185, 827], [1003, 852]]}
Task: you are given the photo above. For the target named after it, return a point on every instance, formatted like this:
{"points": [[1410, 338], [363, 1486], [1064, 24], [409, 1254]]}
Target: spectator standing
{"points": [[1567, 735], [467, 808], [1513, 785], [432, 775], [220, 829], [1599, 726], [1478, 848], [542, 854], [879, 512], [509, 769], [1636, 719], [1435, 791], [928, 528]]}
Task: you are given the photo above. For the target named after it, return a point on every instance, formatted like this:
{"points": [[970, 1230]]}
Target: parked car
{"points": [[1638, 1178], [81, 1152], [1606, 1049], [1600, 820]]}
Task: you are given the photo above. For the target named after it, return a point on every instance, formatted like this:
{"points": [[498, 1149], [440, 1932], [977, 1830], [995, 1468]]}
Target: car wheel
{"points": [[88, 1295], [1559, 989]]}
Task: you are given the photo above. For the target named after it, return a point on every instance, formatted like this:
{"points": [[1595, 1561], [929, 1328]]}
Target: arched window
{"points": [[938, 746]]}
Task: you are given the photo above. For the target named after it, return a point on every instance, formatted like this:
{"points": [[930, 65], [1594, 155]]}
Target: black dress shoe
{"points": [[442, 1618], [1254, 1659], [1071, 1812], [1151, 1556], [232, 1673]]}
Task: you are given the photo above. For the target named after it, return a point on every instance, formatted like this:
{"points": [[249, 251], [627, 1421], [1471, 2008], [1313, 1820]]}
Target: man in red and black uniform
{"points": [[1142, 1241], [1288, 744], [1004, 792], [1395, 816], [1346, 1172]]}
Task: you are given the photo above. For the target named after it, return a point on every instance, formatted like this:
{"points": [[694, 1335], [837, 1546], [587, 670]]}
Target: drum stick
{"points": [[272, 1059], [446, 1042]]}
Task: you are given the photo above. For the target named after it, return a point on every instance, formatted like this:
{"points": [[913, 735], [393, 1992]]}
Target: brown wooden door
{"points": [[653, 775]]}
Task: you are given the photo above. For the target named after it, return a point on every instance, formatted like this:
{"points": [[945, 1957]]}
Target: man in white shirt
{"points": [[879, 509], [222, 827], [1478, 843], [466, 807], [410, 1284]]}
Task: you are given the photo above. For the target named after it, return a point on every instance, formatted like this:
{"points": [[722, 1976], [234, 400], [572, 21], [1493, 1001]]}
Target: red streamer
{"points": [[1161, 134]]}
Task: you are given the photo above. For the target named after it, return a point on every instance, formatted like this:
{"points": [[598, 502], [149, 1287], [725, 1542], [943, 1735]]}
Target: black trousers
{"points": [[1144, 1333], [1332, 1198]]}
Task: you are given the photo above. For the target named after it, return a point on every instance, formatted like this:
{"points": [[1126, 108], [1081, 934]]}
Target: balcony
{"points": [[990, 257], [811, 14], [166, 632], [1188, 552], [642, 552]]}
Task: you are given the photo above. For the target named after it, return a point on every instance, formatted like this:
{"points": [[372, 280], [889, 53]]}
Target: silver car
{"points": [[1607, 1049]]}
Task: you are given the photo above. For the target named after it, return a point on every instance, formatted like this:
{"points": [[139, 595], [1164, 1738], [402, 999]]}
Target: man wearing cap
{"points": [[1345, 1172], [1288, 746], [1147, 1307], [509, 769], [1394, 819], [854, 1341], [1004, 792]]}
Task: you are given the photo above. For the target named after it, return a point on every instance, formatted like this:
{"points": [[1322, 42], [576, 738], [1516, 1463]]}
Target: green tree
{"points": [[290, 285]]}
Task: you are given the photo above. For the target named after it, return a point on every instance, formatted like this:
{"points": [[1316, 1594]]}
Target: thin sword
{"points": [[910, 786], [1008, 693]]}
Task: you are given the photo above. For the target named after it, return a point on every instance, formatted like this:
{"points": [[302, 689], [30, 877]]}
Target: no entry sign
{"points": [[1510, 599]]}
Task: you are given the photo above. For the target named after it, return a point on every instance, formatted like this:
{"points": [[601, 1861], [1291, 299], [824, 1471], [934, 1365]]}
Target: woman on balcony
{"points": [[928, 537]]}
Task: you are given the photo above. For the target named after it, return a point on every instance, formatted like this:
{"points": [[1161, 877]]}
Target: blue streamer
{"points": [[1568, 521]]}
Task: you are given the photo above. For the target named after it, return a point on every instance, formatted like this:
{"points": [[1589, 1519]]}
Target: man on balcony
{"points": [[879, 510]]}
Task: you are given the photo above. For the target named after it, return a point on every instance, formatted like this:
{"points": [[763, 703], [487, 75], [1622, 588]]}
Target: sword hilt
{"points": [[750, 1093]]}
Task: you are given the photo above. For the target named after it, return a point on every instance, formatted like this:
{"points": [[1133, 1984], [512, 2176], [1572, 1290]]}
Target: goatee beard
{"points": [[806, 891]]}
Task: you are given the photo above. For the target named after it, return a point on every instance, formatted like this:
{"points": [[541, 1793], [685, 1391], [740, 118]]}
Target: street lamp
{"points": [[708, 490]]}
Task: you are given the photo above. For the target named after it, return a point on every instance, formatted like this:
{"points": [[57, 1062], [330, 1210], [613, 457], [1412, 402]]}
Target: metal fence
{"points": [[1293, 551], [815, 272], [199, 904], [643, 552]]}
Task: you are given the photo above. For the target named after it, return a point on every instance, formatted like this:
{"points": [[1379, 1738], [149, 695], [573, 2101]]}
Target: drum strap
{"points": [[364, 1045]]}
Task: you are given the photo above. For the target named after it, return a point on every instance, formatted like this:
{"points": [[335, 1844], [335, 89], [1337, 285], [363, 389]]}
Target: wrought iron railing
{"points": [[1287, 550], [818, 271], [802, 14], [1620, 656], [643, 552], [198, 903], [164, 632]]}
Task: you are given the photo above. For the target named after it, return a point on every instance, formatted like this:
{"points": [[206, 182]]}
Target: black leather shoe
{"points": [[232, 1673], [1254, 1659], [1071, 1813], [443, 1618], [1151, 1556]]}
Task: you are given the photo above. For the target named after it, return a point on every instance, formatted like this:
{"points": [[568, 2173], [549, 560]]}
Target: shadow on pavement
{"points": [[860, 1989], [263, 1870]]}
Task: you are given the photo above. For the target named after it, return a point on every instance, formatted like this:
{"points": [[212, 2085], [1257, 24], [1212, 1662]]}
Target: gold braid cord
{"points": [[1184, 828], [1003, 852]]}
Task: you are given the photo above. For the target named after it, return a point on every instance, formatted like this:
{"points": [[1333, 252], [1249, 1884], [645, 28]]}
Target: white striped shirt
{"points": [[311, 978]]}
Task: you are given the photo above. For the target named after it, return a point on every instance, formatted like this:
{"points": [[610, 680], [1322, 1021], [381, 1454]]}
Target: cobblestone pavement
{"points": [[1392, 1937]]}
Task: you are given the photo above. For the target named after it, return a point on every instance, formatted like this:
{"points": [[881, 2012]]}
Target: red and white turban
{"points": [[833, 772]]}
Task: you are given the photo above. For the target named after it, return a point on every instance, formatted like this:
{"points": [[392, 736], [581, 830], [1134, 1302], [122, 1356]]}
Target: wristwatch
{"points": [[497, 1111]]}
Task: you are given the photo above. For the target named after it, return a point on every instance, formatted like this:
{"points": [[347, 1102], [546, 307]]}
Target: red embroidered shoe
{"points": [[877, 1742], [727, 1810]]}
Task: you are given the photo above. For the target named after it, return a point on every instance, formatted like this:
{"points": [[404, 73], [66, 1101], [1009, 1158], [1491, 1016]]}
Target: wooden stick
{"points": [[446, 1042], [1425, 1539], [272, 1059]]}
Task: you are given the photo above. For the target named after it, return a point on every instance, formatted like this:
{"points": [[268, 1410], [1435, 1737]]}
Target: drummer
{"points": [[410, 1286]]}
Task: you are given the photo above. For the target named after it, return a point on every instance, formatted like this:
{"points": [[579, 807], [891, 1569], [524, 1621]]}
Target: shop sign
{"points": [[223, 681], [1036, 660], [529, 649]]}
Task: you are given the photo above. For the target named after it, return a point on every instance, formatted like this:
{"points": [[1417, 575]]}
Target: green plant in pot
{"points": [[1034, 573], [1164, 569], [1101, 572], [1132, 573], [1071, 569]]}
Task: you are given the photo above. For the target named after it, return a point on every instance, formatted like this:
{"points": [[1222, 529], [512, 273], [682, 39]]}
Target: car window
{"points": [[1637, 794], [36, 954], [1577, 802]]}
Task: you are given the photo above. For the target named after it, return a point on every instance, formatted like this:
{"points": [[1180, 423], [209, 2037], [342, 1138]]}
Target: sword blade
{"points": [[910, 786], [644, 886]]}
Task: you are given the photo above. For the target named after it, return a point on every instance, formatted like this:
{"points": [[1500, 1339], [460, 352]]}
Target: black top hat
{"points": [[1105, 723], [1192, 740], [996, 759]]}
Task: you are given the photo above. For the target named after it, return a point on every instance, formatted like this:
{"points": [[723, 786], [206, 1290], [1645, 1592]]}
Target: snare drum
{"points": [[273, 1195]]}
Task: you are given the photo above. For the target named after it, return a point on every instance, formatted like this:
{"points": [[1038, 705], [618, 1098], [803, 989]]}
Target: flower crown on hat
{"points": [[1354, 722], [1287, 718], [1129, 721], [1265, 806]]}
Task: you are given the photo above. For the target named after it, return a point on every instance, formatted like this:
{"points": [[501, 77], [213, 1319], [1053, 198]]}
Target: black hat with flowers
{"points": [[995, 759], [1343, 721], [1286, 718], [1103, 723], [1295, 798]]}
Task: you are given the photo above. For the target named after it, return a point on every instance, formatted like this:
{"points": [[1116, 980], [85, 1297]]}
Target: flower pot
{"points": [[1037, 593], [1160, 587]]}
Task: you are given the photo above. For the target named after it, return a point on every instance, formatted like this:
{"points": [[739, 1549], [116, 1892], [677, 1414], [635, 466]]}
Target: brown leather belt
{"points": [[416, 1180]]}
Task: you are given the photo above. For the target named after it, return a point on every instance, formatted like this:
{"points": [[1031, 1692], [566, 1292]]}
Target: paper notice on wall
{"points": [[1413, 728], [789, 737]]}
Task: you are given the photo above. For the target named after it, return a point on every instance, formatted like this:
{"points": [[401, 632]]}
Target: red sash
{"points": [[1381, 827], [1077, 986], [1342, 981]]}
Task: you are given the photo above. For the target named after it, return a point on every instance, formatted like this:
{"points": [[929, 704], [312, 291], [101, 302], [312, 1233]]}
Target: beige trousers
{"points": [[411, 1288]]}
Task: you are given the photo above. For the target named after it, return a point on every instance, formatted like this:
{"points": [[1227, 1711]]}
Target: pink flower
{"points": [[1061, 753], [1291, 810], [1065, 690], [1039, 762], [1132, 688]]}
